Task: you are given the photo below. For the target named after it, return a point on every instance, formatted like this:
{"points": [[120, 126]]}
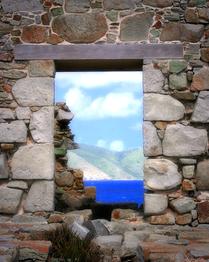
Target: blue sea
{"points": [[118, 191]]}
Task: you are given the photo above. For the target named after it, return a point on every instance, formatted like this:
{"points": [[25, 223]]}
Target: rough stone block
{"points": [[152, 143], [39, 91], [6, 113], [158, 3], [4, 172], [155, 204], [118, 5], [203, 212], [153, 79], [201, 113], [183, 205], [136, 28], [64, 116], [161, 174], [42, 125], [180, 141], [33, 162], [165, 219], [178, 82], [15, 131], [40, 197], [200, 80], [202, 175], [155, 104], [9, 200], [21, 5], [41, 68], [23, 112], [73, 6], [80, 28]]}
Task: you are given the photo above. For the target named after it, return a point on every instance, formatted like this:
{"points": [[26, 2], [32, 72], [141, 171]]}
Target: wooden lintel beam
{"points": [[98, 51]]}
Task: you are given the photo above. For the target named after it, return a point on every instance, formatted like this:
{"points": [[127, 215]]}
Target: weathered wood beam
{"points": [[98, 51]]}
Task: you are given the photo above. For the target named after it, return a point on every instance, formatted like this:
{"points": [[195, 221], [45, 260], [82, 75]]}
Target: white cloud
{"points": [[117, 145], [102, 143], [91, 80], [110, 105]]}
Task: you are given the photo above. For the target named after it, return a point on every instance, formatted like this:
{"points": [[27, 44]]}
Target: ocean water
{"points": [[118, 191]]}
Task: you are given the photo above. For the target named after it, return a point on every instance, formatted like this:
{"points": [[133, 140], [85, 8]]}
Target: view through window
{"points": [[108, 116]]}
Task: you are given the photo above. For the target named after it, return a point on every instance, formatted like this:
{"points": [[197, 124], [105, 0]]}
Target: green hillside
{"points": [[118, 165]]}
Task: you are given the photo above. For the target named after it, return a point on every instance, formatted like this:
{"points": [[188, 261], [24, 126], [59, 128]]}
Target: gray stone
{"points": [[64, 116], [182, 32], [39, 91], [6, 113], [15, 131], [118, 4], [178, 82], [161, 174], [162, 107], [23, 113], [201, 112], [96, 227], [80, 231], [33, 162], [80, 28], [18, 184], [202, 175], [131, 245], [80, 216], [21, 5], [183, 205], [152, 143], [42, 125], [74, 6], [155, 204], [5, 28], [28, 219], [38, 68], [111, 241], [136, 28], [4, 170], [188, 161], [158, 3], [40, 197], [153, 79], [9, 200], [183, 141], [188, 171]]}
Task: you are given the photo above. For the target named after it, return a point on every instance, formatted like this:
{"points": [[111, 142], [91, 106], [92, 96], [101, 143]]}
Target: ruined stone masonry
{"points": [[176, 99]]}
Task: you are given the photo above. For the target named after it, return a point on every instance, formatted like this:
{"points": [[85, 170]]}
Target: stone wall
{"points": [[176, 98]]}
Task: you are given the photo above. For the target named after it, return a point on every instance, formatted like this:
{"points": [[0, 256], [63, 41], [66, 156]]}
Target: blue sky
{"points": [[107, 107]]}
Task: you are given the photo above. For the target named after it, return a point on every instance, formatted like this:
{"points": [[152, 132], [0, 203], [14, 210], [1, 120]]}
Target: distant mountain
{"points": [[99, 163]]}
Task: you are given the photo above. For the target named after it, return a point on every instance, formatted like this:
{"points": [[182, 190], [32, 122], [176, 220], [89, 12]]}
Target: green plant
{"points": [[69, 247]]}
